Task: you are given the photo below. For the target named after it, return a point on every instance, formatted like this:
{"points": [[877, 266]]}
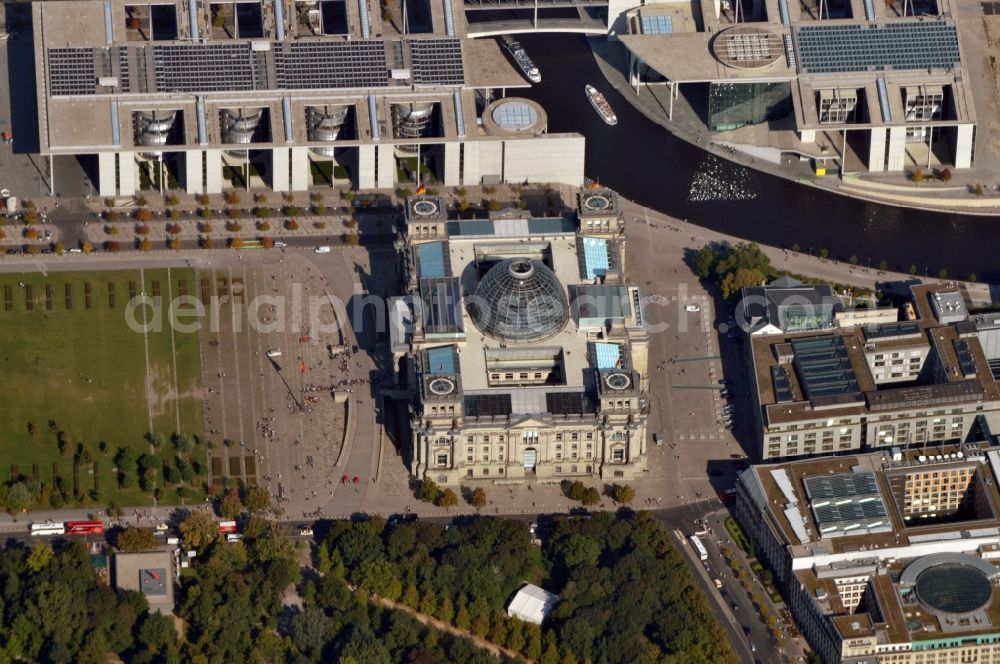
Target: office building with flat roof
{"points": [[205, 96], [523, 347], [864, 85], [888, 557], [874, 386]]}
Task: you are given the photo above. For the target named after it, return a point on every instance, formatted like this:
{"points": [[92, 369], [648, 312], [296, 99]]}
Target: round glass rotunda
{"points": [[521, 300]]}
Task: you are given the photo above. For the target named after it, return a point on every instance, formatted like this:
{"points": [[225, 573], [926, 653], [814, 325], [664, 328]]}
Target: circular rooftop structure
{"points": [[747, 47], [519, 299], [596, 202], [951, 583], [514, 116]]}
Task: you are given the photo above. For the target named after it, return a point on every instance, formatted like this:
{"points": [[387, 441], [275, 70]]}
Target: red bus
{"points": [[84, 528], [226, 527]]}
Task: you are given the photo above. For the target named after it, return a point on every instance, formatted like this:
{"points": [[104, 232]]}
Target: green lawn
{"points": [[83, 371]]}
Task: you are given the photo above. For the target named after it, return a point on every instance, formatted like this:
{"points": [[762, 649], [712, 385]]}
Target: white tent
{"points": [[532, 604]]}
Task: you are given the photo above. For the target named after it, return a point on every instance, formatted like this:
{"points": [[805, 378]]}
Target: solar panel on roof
{"points": [[899, 45], [890, 330], [486, 405], [71, 71], [782, 385], [353, 64], [568, 403], [657, 25], [965, 361], [203, 67], [436, 61], [470, 227]]}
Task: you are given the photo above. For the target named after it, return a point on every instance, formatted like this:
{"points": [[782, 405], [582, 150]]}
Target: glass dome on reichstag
{"points": [[519, 299]]}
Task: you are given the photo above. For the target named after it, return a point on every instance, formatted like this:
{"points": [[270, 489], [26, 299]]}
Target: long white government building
{"points": [[204, 96]]}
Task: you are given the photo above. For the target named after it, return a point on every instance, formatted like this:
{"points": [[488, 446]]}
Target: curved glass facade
{"points": [[519, 299]]}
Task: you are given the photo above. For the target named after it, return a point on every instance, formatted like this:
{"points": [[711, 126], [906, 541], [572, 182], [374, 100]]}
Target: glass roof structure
{"points": [[607, 356], [440, 360], [514, 115], [432, 260], [442, 302], [824, 368], [846, 503], [954, 588], [657, 25], [519, 299], [898, 45], [595, 257]]}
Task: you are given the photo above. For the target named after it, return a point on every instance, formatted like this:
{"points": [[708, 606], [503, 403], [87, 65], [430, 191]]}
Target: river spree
{"points": [[645, 163]]}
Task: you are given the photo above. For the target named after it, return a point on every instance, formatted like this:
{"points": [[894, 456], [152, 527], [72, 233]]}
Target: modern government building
{"points": [[522, 344], [826, 380], [204, 96], [868, 85], [887, 557]]}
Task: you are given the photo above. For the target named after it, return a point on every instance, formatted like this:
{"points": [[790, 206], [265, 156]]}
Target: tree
{"points": [[349, 239], [917, 175], [945, 175], [428, 491], [977, 189], [973, 278], [230, 506], [447, 499], [232, 197], [235, 243], [87, 247], [796, 248], [40, 557], [913, 268], [942, 273], [18, 497], [734, 282], [134, 540], [157, 631], [145, 244], [591, 497], [291, 225], [58, 247], [199, 530], [143, 215], [704, 261], [824, 253], [258, 499], [883, 265], [174, 243], [266, 242], [623, 493], [478, 498], [853, 260]]}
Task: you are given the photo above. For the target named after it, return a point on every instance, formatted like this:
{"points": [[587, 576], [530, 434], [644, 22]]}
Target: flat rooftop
{"points": [[784, 485], [787, 391]]}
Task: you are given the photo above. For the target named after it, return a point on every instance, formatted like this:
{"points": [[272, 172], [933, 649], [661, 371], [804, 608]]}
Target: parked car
{"points": [[692, 308], [322, 250], [305, 531]]}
